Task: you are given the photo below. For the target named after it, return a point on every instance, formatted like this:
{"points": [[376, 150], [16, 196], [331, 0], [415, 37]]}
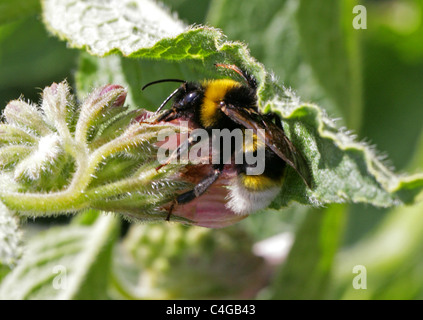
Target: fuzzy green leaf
{"points": [[102, 28], [71, 262], [390, 254], [311, 47], [10, 240]]}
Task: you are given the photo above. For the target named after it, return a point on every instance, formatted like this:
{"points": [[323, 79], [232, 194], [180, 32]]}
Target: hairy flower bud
{"points": [[61, 157], [210, 209]]}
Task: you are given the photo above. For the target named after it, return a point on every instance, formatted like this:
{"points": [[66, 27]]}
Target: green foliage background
{"points": [[371, 79]]}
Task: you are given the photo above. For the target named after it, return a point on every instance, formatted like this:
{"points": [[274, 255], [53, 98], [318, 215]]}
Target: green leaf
{"points": [[310, 46], [28, 55], [71, 262], [390, 254], [306, 273], [119, 25], [30, 58], [10, 240], [343, 169], [187, 12], [11, 10], [330, 45], [393, 82], [392, 113]]}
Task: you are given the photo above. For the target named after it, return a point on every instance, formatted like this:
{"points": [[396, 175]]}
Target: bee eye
{"points": [[190, 97]]}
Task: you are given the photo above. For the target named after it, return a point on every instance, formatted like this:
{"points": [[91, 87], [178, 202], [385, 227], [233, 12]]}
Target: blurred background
{"points": [[371, 79]]}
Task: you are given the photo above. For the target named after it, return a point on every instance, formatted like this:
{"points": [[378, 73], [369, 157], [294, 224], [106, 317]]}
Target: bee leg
{"points": [[273, 116], [174, 203], [181, 148], [201, 187], [198, 190], [168, 115]]}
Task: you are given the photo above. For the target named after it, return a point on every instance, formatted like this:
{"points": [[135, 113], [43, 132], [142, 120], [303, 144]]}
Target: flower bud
{"points": [[209, 210], [41, 159], [119, 100], [57, 103], [26, 116], [99, 110]]}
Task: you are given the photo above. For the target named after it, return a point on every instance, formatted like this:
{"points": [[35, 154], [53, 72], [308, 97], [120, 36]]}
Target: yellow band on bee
{"points": [[259, 182], [214, 93], [251, 145]]}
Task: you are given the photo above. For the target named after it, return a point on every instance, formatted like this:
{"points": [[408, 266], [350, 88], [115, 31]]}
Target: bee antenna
{"points": [[167, 100], [162, 80], [170, 96], [248, 78]]}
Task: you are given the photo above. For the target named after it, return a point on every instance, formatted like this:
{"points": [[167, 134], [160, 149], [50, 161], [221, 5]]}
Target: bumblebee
{"points": [[229, 104]]}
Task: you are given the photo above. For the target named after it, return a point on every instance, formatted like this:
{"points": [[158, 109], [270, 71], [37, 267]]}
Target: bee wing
{"points": [[274, 137]]}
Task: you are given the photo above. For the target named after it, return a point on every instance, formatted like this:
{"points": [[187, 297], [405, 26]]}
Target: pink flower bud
{"points": [[120, 99], [209, 210]]}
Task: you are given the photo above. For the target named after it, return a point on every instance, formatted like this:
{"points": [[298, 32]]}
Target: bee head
{"points": [[187, 95]]}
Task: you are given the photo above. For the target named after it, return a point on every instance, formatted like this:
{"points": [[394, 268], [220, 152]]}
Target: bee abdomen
{"points": [[252, 193]]}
